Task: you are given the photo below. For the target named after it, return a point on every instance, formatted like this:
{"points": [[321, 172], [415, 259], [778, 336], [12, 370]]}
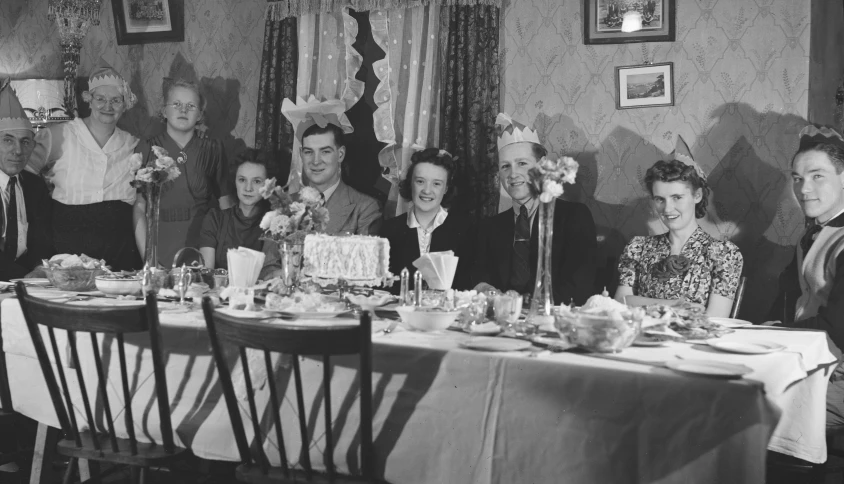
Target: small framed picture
{"points": [[653, 21], [644, 86], [149, 21]]}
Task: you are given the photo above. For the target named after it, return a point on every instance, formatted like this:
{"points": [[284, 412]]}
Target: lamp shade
{"points": [[632, 21], [42, 99]]}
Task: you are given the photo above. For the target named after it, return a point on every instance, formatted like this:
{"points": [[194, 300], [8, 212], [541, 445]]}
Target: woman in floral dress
{"points": [[684, 265]]}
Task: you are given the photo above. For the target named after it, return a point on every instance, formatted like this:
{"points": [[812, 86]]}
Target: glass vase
{"points": [[541, 314], [152, 211], [290, 256]]}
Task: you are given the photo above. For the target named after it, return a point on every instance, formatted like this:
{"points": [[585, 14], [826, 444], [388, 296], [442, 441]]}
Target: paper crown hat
{"points": [[304, 114], [683, 154], [813, 135], [12, 115], [105, 75], [512, 131]]}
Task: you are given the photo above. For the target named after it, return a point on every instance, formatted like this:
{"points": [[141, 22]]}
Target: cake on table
{"points": [[359, 260]]}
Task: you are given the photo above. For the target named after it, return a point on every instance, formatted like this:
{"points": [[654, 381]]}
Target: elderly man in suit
{"points": [[25, 224], [507, 247], [322, 151]]}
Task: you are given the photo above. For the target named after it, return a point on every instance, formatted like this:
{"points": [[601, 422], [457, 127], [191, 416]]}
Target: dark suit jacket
{"points": [[457, 234], [572, 256], [39, 238]]}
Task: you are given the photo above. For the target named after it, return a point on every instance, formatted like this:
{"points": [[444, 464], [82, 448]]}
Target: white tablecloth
{"points": [[444, 414]]}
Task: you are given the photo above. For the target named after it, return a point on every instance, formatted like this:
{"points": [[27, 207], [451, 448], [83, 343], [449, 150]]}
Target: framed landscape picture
{"points": [[149, 21], [602, 21], [644, 86]]}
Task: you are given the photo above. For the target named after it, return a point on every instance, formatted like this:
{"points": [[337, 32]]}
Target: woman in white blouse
{"points": [[87, 163], [428, 226]]}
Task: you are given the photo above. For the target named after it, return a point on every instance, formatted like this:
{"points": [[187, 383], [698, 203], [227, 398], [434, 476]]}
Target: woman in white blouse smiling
{"points": [[428, 226], [87, 162]]}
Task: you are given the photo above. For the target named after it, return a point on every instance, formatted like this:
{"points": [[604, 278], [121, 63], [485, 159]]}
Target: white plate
{"points": [[35, 281], [730, 322], [483, 343], [240, 313], [316, 314], [757, 347], [487, 329], [717, 369]]}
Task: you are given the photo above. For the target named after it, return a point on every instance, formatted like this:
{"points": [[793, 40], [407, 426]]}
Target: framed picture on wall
{"points": [[623, 21], [149, 21], [644, 86]]}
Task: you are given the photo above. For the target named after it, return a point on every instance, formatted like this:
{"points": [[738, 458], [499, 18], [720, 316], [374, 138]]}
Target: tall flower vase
{"points": [[153, 203], [290, 256], [541, 313]]}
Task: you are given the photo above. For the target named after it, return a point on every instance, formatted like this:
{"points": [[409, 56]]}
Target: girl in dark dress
{"points": [[202, 184], [238, 226], [428, 226]]}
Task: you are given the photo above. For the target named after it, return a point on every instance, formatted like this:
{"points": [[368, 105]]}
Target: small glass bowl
{"points": [[74, 278], [598, 333]]}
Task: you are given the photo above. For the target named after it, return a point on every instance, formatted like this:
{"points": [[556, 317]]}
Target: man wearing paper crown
{"points": [[88, 162], [25, 234], [508, 244], [320, 128], [816, 274]]}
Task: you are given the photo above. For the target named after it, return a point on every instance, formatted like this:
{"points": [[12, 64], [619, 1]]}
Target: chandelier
{"points": [[73, 18]]}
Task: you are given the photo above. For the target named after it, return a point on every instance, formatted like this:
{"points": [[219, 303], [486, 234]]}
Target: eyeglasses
{"points": [[100, 102], [187, 107]]}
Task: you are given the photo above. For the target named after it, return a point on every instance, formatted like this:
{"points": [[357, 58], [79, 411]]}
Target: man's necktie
{"points": [[519, 265], [11, 247], [809, 237]]}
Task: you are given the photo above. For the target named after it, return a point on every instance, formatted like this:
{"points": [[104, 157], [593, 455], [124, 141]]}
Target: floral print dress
{"points": [[713, 267]]}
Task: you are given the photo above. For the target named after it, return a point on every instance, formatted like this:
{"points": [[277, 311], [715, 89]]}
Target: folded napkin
{"points": [[244, 266], [437, 269]]}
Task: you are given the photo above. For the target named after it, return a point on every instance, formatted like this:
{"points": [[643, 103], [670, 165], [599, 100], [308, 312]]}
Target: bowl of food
{"points": [[601, 331], [427, 318], [70, 272], [119, 284]]}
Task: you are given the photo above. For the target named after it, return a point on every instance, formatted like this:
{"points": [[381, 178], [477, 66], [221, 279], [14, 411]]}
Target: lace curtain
{"points": [[407, 96], [327, 67]]}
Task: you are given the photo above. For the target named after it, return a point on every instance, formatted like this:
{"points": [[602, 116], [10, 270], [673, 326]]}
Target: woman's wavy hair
{"points": [[675, 170], [254, 156], [434, 157]]}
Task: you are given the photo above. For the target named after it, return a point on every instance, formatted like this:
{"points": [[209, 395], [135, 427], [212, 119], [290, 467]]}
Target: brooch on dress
{"points": [[673, 265]]}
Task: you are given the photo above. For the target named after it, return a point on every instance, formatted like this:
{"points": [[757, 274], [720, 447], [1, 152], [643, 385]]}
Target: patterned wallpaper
{"points": [[222, 50], [741, 85]]}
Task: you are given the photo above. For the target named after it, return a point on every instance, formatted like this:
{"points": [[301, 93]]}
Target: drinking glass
{"points": [[507, 309]]}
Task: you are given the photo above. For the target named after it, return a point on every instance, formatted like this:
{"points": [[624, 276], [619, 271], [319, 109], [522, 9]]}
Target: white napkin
{"points": [[437, 269], [244, 266]]}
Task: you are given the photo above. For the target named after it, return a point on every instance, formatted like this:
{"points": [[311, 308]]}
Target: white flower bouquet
{"points": [[291, 220], [163, 169], [548, 176]]}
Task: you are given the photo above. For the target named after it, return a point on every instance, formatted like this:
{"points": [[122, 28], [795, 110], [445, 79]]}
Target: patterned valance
{"points": [[296, 8]]}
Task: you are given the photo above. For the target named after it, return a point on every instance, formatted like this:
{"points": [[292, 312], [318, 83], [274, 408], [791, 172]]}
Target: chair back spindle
{"points": [[226, 331], [738, 297]]}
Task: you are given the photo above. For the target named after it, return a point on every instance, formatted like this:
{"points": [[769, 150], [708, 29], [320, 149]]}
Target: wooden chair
{"points": [[325, 341], [738, 298], [91, 444]]}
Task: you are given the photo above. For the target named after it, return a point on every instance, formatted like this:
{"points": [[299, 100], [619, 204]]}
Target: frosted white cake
{"points": [[358, 259]]}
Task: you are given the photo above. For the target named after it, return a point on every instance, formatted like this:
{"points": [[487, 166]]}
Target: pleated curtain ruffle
{"points": [[328, 64], [407, 96], [296, 8]]}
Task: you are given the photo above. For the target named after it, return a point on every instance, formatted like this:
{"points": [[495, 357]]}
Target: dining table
{"points": [[444, 412]]}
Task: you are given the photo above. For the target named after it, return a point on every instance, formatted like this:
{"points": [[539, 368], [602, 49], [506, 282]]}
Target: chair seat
{"points": [[148, 454], [252, 474]]}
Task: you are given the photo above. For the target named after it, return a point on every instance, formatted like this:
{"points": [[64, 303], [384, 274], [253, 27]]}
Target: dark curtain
{"points": [[470, 102], [279, 64]]}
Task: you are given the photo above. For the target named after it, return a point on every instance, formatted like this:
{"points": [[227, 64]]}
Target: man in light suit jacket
{"points": [[349, 211]]}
